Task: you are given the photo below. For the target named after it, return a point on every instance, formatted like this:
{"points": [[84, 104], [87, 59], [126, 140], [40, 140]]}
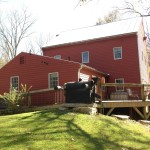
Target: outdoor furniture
{"points": [[132, 94], [119, 96]]}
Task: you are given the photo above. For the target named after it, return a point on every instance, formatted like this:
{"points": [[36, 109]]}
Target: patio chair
{"points": [[132, 95]]}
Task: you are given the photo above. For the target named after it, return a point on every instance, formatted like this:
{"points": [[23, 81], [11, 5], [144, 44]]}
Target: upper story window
{"points": [[85, 57], [53, 79], [117, 52], [119, 88], [57, 56], [14, 82]]}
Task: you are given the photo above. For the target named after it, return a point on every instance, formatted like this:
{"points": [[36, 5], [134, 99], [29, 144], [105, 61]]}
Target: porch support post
{"points": [[148, 115], [143, 117], [110, 111], [143, 96]]}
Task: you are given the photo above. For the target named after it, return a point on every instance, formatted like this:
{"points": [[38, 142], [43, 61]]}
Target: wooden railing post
{"points": [[99, 91], [143, 97], [142, 92]]}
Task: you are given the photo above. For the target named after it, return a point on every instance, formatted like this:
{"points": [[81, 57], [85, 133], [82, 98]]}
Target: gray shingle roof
{"points": [[126, 26]]}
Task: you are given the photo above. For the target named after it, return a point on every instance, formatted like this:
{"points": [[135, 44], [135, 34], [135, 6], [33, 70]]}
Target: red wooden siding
{"points": [[45, 98], [101, 56], [34, 72]]}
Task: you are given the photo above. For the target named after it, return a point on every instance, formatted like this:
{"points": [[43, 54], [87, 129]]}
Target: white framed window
{"points": [[53, 79], [117, 52], [119, 88], [57, 57], [14, 82], [85, 57]]}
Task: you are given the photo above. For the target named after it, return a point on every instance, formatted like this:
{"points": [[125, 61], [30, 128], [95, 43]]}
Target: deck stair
{"points": [[121, 117]]}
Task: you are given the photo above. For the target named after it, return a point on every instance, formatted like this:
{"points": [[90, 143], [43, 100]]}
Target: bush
{"points": [[14, 98], [3, 104]]}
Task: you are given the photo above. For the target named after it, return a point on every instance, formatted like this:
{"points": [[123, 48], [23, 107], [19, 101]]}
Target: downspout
{"points": [[139, 58], [107, 87]]}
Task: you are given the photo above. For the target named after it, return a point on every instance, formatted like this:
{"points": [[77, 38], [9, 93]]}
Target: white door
{"points": [[84, 77]]}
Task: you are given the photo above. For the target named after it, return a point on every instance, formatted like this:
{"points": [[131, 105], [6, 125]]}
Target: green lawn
{"points": [[62, 130]]}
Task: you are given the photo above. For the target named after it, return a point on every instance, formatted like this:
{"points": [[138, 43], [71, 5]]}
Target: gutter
{"points": [[87, 40], [105, 74]]}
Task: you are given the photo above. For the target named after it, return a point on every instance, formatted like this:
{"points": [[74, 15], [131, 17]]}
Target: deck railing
{"points": [[44, 97], [144, 88]]}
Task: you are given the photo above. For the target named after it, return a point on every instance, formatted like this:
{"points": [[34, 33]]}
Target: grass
{"points": [[63, 130]]}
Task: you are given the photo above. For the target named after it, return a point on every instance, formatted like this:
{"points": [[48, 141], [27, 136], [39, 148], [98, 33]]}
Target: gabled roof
{"points": [[46, 59], [126, 26]]}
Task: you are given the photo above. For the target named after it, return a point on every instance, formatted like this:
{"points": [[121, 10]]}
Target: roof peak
{"points": [[84, 27], [120, 27]]}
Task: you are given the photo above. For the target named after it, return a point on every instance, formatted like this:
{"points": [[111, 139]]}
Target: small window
{"points": [[119, 88], [57, 57], [14, 82], [22, 60], [53, 79], [85, 57], [117, 53]]}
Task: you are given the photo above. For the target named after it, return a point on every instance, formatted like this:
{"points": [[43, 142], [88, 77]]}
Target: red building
{"points": [[42, 72], [117, 48]]}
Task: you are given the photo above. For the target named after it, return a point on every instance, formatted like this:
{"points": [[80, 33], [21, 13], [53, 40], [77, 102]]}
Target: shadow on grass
{"points": [[51, 126]]}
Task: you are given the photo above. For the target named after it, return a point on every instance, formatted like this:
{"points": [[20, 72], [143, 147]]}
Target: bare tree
{"points": [[140, 7], [82, 2], [35, 45], [111, 17], [3, 59], [13, 29]]}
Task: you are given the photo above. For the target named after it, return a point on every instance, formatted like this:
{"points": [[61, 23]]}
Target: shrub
{"points": [[14, 98]]}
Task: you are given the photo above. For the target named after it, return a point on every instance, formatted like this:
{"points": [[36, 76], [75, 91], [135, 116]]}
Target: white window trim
{"points": [[49, 79], [88, 56], [114, 53], [11, 81], [122, 86]]}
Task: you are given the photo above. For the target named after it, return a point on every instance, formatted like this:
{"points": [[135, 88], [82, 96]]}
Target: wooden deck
{"points": [[143, 103], [135, 104], [112, 104], [124, 103]]}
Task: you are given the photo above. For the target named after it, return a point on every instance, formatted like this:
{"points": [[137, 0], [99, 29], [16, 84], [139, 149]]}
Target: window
{"points": [[57, 56], [117, 53], [85, 57], [22, 60], [119, 88], [53, 79], [14, 82]]}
